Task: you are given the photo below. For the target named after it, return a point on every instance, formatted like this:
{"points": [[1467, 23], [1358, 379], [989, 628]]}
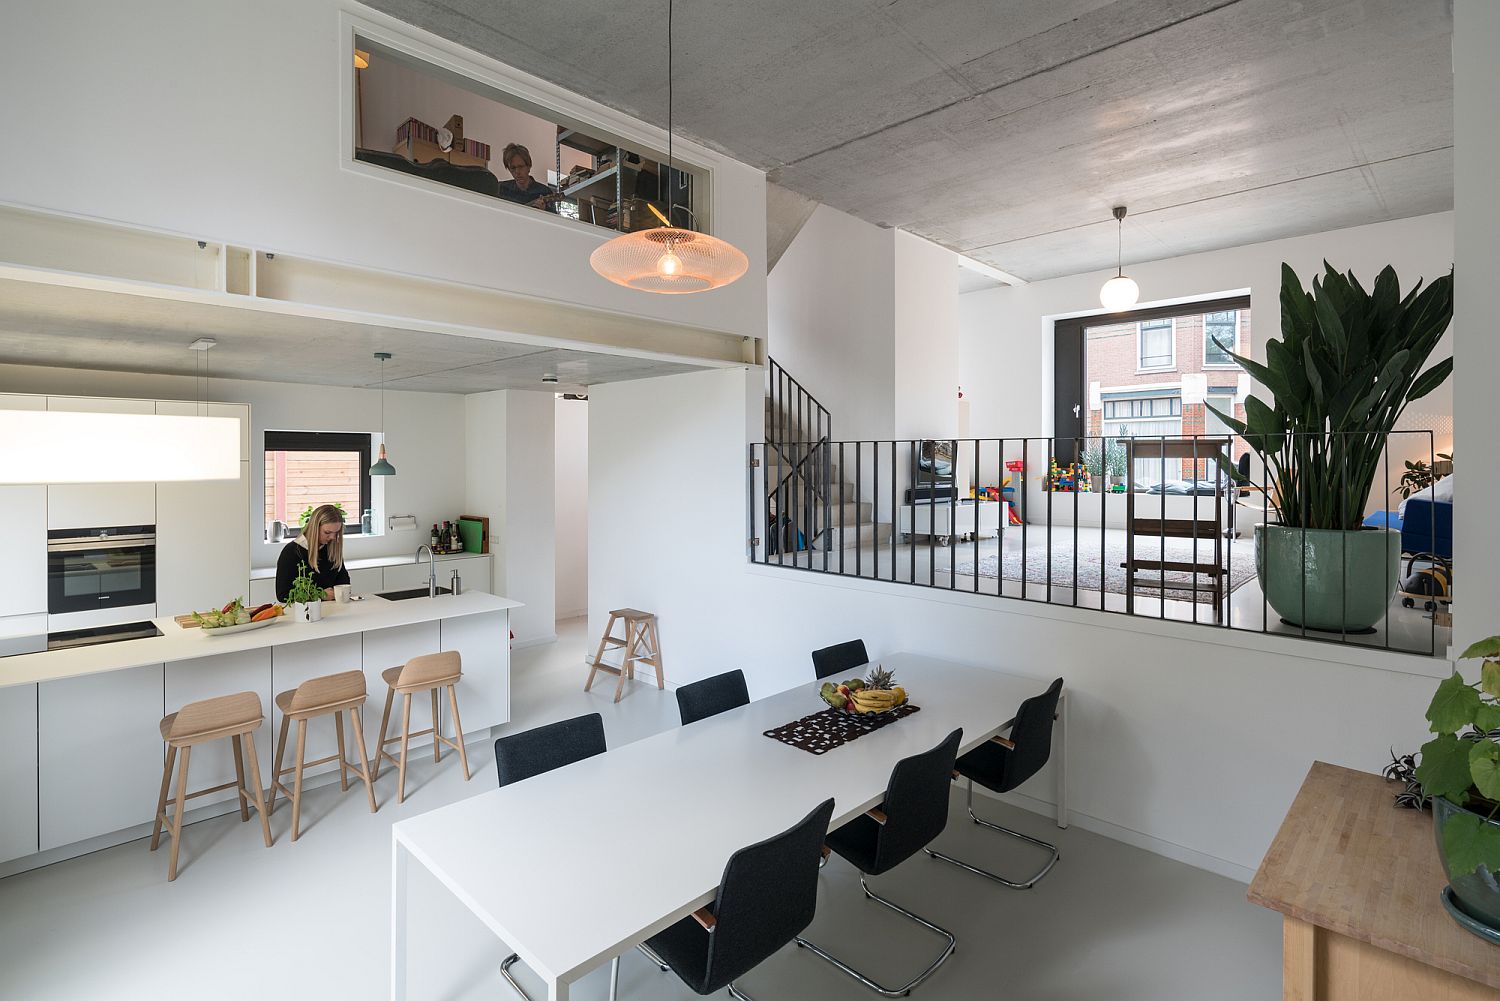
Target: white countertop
{"points": [[269, 573], [177, 643]]}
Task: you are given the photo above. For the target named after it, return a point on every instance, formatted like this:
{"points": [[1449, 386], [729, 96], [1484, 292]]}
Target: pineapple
{"points": [[880, 679]]}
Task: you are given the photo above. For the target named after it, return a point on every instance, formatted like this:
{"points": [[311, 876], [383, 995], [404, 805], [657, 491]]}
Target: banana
{"points": [[876, 700]]}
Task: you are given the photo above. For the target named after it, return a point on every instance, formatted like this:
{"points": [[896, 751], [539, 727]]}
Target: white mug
{"points": [[341, 593]]}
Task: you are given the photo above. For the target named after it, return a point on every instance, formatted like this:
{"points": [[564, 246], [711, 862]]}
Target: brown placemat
{"points": [[822, 732]]}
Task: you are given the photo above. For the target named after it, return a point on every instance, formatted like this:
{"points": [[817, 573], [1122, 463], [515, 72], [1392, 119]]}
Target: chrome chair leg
{"points": [[513, 958], [890, 992], [738, 994], [1014, 885], [646, 951]]}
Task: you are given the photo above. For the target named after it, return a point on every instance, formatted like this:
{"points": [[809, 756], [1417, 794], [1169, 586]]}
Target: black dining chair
{"points": [[841, 658], [1002, 764], [712, 696], [914, 811], [766, 898], [533, 752]]}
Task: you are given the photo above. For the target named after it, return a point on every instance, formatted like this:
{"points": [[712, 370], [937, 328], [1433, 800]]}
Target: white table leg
{"points": [[557, 990], [400, 859], [1062, 760]]}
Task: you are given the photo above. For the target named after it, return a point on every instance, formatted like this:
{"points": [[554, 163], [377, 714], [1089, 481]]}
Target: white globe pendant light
{"points": [[669, 260], [1120, 292]]}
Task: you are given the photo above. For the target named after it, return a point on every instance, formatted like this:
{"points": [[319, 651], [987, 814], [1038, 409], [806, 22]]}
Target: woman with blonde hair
{"points": [[321, 547]]}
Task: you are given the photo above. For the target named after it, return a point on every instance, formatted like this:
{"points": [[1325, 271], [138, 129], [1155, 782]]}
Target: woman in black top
{"points": [[326, 525], [522, 187]]}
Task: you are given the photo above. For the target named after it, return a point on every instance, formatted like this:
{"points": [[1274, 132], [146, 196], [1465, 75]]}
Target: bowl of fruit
{"points": [[877, 692], [235, 617]]}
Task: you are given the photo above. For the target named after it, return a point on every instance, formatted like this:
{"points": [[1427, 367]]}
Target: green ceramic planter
{"points": [[1478, 892], [1327, 579]]}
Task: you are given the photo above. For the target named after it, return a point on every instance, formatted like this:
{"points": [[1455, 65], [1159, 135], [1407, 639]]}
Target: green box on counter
{"points": [[475, 533]]}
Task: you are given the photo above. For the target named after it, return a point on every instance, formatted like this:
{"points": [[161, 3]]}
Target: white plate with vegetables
{"points": [[236, 618]]}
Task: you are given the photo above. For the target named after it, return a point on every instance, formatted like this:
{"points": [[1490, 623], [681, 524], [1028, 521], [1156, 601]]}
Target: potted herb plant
{"points": [[305, 596], [1460, 771], [1347, 364]]}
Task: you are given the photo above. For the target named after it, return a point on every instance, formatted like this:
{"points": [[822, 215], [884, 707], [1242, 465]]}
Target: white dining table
{"points": [[689, 797]]}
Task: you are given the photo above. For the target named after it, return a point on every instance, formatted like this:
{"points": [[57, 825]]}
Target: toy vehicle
{"points": [[1431, 585]]}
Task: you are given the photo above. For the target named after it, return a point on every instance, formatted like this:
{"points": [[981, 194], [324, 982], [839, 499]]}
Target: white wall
{"points": [[571, 504], [234, 121], [1476, 26], [926, 338], [1186, 740], [829, 304], [424, 435], [1005, 341]]}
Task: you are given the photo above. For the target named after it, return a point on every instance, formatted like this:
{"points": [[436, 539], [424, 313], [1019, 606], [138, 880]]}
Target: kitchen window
{"points": [[1220, 337], [308, 468], [1156, 344]]}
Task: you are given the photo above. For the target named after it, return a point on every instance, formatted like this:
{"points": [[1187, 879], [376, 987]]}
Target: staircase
{"points": [[803, 478]]}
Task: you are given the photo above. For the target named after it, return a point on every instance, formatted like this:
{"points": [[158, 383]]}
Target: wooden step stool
{"points": [[642, 644]]}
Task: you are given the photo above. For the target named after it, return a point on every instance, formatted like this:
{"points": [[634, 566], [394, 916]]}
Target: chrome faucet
{"points": [[431, 569]]}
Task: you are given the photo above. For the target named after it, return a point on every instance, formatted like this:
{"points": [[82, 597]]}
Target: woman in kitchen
{"points": [[321, 547]]}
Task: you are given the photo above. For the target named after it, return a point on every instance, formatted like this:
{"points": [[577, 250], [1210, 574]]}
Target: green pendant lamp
{"points": [[381, 466]]}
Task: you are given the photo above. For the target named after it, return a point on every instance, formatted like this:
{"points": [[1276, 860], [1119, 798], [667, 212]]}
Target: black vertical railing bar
{"points": [[1050, 487], [1303, 471], [1025, 512], [825, 448], [1385, 523], [1077, 490], [859, 486], [1161, 528], [911, 507], [931, 513], [953, 524], [1194, 480], [974, 484], [895, 513], [1431, 534], [1263, 543], [1231, 530], [842, 499], [1104, 493], [750, 497], [775, 497], [1341, 450]]}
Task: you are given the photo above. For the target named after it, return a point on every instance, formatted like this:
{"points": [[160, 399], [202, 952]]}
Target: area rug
{"points": [[1241, 558]]}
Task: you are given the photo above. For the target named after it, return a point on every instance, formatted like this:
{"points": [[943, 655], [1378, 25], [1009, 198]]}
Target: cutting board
{"points": [[475, 532]]}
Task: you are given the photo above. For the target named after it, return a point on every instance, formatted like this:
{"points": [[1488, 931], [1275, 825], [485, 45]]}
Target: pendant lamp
{"points": [[669, 260], [381, 466], [1120, 292]]}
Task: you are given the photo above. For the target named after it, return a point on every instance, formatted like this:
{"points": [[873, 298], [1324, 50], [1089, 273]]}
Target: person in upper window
{"points": [[522, 187], [321, 547]]}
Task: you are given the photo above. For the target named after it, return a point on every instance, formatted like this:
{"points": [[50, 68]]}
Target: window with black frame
{"points": [[306, 468]]}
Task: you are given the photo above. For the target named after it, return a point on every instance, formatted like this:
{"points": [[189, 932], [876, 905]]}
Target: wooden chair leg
{"points": [[437, 745], [364, 759], [627, 666], [405, 739], [260, 803], [338, 722], [176, 831], [161, 801], [240, 792], [656, 653], [385, 719], [286, 722], [599, 654], [297, 781], [458, 731]]}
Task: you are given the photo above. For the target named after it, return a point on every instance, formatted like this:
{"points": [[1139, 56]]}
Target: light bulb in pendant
{"points": [[1119, 293], [669, 265]]}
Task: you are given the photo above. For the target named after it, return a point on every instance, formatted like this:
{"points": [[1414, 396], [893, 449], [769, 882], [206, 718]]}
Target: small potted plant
{"points": [[305, 596], [1460, 771]]}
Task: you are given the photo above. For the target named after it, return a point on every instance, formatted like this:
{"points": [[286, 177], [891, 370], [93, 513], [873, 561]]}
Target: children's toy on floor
{"points": [[1074, 479], [1431, 585]]}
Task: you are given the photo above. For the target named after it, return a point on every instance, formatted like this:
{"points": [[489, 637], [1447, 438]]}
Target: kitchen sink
{"points": [[412, 592]]}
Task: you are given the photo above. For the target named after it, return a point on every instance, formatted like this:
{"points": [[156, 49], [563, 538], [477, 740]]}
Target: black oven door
{"points": [[87, 574]]}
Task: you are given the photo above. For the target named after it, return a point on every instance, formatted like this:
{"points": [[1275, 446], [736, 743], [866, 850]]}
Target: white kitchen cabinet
{"points": [[387, 648], [202, 554], [367, 580], [23, 549], [209, 677], [483, 641], [187, 408], [100, 505], [18, 771], [294, 663], [262, 590], [99, 754], [405, 576]]}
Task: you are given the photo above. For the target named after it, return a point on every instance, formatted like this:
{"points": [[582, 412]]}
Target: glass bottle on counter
{"points": [[433, 542]]}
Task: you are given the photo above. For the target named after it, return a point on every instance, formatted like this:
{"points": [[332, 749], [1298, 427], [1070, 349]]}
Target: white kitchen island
{"points": [[80, 753]]}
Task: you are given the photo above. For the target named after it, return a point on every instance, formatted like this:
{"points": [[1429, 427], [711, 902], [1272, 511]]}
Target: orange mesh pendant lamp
{"points": [[669, 260]]}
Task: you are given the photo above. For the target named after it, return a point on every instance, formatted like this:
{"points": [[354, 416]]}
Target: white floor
{"points": [[1408, 630], [311, 919]]}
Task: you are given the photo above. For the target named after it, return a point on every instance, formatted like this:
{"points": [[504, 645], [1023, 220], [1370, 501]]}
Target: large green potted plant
{"points": [[1347, 364], [1460, 771]]}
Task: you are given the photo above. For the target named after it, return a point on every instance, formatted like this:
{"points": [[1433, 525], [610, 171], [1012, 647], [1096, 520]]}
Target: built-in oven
{"points": [[94, 568]]}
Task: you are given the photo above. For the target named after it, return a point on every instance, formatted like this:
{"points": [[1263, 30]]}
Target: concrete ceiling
{"points": [[68, 327], [1006, 129]]}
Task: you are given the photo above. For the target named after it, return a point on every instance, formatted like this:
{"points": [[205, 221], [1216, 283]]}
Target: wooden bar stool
{"points": [[642, 645], [235, 717], [426, 673], [329, 695]]}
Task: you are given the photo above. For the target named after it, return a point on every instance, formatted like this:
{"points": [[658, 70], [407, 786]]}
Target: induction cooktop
{"points": [[67, 639]]}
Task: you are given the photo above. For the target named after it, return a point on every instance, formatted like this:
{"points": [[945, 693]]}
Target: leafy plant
{"points": [[1418, 476], [307, 512], [304, 589], [1346, 366], [1462, 763], [1104, 456]]}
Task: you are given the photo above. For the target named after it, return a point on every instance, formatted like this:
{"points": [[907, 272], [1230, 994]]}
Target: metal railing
{"points": [[1173, 535], [798, 429]]}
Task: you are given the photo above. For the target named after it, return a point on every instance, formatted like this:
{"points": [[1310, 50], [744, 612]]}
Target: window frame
{"points": [[329, 441], [1140, 330], [1221, 366]]}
